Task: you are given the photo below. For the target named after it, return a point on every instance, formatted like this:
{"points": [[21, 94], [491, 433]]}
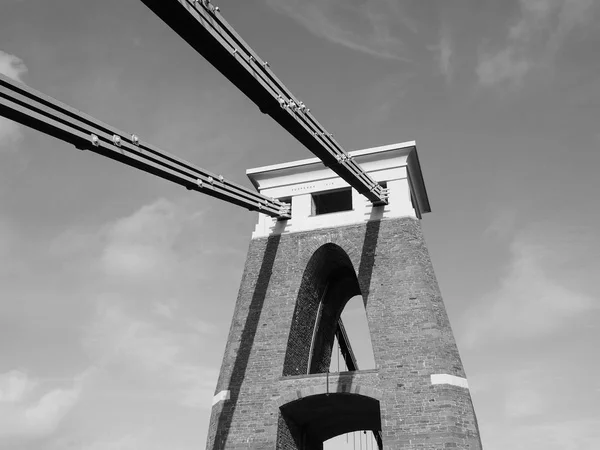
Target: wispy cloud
{"points": [[144, 249], [135, 284], [533, 40], [372, 27], [27, 413], [572, 434], [132, 441], [528, 406], [163, 356], [502, 224], [142, 245], [444, 52], [14, 68], [524, 394], [505, 65], [15, 386], [531, 300], [139, 326]]}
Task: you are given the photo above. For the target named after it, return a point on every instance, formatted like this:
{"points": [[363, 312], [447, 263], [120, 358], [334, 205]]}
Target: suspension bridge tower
{"points": [[274, 390]]}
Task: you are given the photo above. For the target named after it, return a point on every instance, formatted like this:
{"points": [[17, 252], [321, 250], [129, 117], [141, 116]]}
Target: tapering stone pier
{"points": [[273, 392]]}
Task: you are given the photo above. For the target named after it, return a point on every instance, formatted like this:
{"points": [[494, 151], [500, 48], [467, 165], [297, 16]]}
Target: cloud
{"points": [[502, 224], [371, 27], [446, 56], [157, 243], [531, 300], [141, 245], [14, 386], [137, 319], [525, 393], [164, 356], [128, 442], [444, 52], [502, 66], [382, 97], [573, 434], [164, 309], [22, 415], [533, 40], [530, 407], [14, 68]]}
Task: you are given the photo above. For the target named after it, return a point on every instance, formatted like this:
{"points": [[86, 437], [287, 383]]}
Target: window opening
{"points": [[332, 201]]}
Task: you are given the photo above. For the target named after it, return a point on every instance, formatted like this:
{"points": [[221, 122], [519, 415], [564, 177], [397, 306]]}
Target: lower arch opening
{"points": [[306, 423]]}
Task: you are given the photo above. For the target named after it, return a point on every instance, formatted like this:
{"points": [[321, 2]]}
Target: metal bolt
{"points": [[95, 140], [211, 180], [199, 182], [117, 140], [221, 179], [135, 140]]}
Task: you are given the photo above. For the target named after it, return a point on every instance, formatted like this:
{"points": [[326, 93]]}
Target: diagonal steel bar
{"points": [[202, 26], [31, 108], [345, 347]]}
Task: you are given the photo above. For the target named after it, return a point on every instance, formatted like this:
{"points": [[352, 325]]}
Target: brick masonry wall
{"points": [[410, 332]]}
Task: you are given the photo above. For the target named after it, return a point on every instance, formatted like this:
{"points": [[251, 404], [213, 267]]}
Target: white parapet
{"points": [[300, 182]]}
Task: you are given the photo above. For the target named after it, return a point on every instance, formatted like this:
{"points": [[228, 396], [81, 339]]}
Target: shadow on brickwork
{"points": [[247, 340], [367, 258]]}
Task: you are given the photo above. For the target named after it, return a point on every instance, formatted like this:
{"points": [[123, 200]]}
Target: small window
{"points": [[332, 201]]}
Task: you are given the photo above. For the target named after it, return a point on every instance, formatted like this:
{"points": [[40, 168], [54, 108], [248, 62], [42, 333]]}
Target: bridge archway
{"points": [[308, 421], [328, 282]]}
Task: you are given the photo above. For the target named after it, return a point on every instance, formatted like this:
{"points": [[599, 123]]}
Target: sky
{"points": [[117, 288]]}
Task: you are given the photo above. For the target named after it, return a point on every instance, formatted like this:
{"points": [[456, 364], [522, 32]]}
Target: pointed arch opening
{"points": [[328, 283]]}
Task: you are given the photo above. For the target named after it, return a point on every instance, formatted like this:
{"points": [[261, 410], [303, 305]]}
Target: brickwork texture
{"points": [[279, 396]]}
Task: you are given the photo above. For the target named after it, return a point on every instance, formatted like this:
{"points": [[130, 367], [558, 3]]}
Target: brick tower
{"points": [[273, 391]]}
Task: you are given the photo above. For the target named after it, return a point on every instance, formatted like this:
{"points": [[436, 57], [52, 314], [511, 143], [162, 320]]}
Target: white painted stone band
{"points": [[442, 378], [221, 396]]}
